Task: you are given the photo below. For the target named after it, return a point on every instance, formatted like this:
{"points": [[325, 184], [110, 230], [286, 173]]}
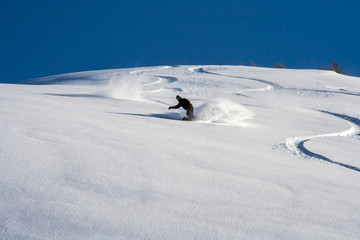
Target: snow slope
{"points": [[275, 154]]}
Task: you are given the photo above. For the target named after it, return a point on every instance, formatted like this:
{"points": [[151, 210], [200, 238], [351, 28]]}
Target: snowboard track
{"points": [[273, 85], [307, 152], [302, 149]]}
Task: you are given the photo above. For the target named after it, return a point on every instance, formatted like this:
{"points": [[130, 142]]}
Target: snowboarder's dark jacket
{"points": [[183, 102]]}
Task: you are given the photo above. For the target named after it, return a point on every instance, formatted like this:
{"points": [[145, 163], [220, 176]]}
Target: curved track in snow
{"points": [[160, 79], [270, 85], [297, 144]]}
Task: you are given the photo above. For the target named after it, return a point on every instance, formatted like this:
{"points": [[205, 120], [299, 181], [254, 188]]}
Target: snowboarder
{"points": [[183, 102]]}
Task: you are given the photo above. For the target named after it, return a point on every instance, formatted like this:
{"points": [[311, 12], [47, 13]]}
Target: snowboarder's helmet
{"points": [[178, 97]]}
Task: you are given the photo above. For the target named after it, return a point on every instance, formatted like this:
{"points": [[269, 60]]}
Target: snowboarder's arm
{"points": [[175, 107]]}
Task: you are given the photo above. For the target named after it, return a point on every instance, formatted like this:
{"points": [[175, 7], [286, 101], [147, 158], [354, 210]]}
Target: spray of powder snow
{"points": [[129, 87], [222, 111]]}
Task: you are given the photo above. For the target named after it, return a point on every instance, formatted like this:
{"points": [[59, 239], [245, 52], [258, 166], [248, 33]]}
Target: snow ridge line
{"points": [[297, 144]]}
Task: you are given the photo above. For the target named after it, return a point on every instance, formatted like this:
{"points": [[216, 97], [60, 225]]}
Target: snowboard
{"points": [[188, 119]]}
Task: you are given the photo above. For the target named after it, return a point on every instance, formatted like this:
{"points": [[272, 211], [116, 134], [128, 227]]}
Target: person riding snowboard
{"points": [[183, 102]]}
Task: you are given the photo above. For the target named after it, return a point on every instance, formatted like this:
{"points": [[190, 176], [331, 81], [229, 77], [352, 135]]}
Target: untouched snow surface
{"points": [[275, 154]]}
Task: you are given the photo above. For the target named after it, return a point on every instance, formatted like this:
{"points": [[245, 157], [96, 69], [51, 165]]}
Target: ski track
{"points": [[297, 144]]}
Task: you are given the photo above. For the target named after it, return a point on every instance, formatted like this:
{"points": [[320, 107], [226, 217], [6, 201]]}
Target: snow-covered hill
{"points": [[275, 154]]}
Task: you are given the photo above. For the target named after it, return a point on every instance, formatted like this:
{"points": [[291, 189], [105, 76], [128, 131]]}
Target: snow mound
{"points": [[222, 111]]}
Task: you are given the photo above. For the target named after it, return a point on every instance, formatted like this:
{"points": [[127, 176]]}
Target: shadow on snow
{"points": [[78, 95], [168, 116], [305, 151]]}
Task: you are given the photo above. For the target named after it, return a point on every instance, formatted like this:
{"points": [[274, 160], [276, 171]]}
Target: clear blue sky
{"points": [[41, 38]]}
